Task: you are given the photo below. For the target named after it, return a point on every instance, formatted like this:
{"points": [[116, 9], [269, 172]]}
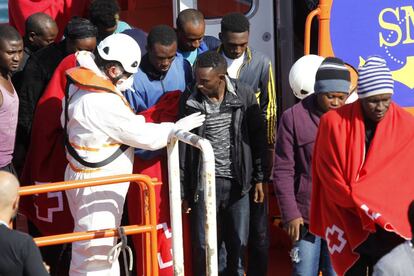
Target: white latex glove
{"points": [[190, 122]]}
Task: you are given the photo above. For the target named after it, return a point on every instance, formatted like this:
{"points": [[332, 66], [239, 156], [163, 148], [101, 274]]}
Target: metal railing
{"points": [[323, 12], [209, 185], [148, 228]]}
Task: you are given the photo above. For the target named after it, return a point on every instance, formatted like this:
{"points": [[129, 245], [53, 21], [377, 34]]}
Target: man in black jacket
{"points": [[254, 69], [40, 31], [19, 255], [234, 127]]}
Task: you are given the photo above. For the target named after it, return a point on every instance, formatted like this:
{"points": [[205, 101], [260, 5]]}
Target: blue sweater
{"points": [[148, 89], [149, 86]]}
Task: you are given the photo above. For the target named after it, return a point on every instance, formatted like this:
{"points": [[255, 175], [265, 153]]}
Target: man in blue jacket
{"points": [[161, 71], [190, 33]]}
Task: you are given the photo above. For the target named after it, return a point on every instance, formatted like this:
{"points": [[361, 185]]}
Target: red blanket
{"points": [[46, 160], [353, 192], [165, 110], [60, 10]]}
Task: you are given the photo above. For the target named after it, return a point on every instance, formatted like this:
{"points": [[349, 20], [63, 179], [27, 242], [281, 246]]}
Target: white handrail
{"points": [[209, 185]]}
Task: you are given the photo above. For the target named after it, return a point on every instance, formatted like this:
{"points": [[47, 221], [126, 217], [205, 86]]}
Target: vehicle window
{"points": [[4, 16], [218, 8]]}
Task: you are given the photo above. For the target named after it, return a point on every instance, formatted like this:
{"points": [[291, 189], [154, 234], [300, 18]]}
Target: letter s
{"points": [[389, 26]]}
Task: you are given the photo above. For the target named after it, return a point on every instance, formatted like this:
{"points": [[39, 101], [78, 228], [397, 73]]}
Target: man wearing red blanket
{"points": [[362, 187], [46, 161]]}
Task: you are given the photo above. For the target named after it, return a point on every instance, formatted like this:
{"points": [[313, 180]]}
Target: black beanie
{"points": [[332, 76]]}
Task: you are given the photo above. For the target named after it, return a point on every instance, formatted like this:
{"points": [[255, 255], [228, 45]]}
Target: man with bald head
{"points": [[19, 254], [41, 30], [190, 35]]}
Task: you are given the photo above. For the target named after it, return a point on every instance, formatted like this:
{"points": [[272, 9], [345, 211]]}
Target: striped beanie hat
{"points": [[332, 76], [374, 78]]}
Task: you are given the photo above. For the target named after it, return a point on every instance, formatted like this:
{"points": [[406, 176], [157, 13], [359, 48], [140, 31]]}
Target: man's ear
{"points": [[111, 71], [31, 36], [16, 203], [221, 36], [222, 76]]}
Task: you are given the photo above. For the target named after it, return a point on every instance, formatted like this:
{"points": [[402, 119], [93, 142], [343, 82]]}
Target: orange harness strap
{"points": [[87, 80]]}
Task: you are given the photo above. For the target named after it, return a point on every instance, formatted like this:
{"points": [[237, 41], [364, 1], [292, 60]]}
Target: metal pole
{"points": [[90, 235], [209, 184], [147, 186], [175, 206]]}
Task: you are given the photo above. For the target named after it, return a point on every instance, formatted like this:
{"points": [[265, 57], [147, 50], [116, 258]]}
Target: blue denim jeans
{"points": [[258, 250], [232, 229], [310, 255]]}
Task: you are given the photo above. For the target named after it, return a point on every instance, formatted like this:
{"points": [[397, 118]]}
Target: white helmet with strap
{"points": [[122, 48], [302, 75]]}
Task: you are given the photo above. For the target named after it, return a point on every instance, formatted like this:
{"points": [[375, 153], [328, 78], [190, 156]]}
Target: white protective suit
{"points": [[98, 123]]}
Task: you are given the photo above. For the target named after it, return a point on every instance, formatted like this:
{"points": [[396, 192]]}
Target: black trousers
{"points": [[372, 249], [258, 248], [232, 229]]}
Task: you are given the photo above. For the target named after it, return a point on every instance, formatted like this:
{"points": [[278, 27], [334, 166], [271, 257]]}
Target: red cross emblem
{"points": [[161, 261], [335, 239], [47, 204]]}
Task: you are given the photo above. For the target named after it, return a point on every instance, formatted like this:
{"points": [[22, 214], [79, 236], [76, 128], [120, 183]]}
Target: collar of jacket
{"points": [[28, 51], [150, 71], [195, 100], [247, 57], [201, 49]]}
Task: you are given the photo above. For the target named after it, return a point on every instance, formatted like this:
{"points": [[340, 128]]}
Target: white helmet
{"points": [[122, 48], [302, 75]]}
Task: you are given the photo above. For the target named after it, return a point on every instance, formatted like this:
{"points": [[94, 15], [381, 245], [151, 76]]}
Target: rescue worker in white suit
{"points": [[101, 131]]}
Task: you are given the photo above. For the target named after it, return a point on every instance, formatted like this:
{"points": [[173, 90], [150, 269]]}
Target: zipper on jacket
{"points": [[244, 63], [162, 87]]}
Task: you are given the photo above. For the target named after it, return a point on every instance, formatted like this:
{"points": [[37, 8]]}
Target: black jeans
{"points": [[258, 250], [232, 229], [376, 246]]}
